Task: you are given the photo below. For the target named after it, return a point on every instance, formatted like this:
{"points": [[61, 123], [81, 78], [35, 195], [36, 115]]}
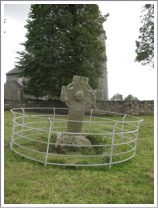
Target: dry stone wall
{"points": [[136, 108]]}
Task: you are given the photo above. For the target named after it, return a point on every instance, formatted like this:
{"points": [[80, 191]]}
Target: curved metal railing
{"points": [[112, 137]]}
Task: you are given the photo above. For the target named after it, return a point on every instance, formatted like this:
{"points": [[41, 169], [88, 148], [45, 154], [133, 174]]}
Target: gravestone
{"points": [[78, 95]]}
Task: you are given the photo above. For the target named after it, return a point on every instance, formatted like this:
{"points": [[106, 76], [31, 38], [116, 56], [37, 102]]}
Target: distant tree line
{"points": [[119, 97]]}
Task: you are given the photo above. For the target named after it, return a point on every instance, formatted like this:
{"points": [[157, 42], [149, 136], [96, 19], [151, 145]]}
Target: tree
{"points": [[62, 41], [130, 98], [117, 97], [145, 44]]}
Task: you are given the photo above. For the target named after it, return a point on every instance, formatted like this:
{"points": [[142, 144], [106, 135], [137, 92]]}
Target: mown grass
{"points": [[132, 182]]}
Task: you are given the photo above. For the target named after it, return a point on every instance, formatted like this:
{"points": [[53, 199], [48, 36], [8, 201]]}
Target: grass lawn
{"points": [[132, 182]]}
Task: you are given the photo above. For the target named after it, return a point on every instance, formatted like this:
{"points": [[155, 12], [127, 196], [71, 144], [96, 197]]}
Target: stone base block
{"points": [[65, 144]]}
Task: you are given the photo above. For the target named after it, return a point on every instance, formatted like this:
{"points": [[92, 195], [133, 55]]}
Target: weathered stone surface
{"points": [[77, 96], [63, 142], [12, 90], [139, 107]]}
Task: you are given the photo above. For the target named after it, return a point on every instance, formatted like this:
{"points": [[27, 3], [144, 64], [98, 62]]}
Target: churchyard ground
{"points": [[132, 182]]}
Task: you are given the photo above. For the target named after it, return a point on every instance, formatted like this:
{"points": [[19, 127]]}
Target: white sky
{"points": [[122, 29]]}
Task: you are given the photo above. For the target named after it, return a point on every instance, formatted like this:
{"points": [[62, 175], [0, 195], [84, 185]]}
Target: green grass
{"points": [[132, 182]]}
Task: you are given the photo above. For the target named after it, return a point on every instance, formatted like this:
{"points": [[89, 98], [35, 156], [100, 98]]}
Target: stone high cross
{"points": [[77, 96]]}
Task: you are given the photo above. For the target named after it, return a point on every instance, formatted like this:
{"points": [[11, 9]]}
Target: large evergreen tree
{"points": [[145, 44], [62, 41]]}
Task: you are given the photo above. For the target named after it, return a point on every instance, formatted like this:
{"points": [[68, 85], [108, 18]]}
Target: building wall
{"points": [[102, 92], [12, 77], [12, 90]]}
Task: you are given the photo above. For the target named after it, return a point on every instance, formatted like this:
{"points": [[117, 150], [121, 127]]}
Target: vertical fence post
{"points": [[123, 120], [49, 135], [112, 145], [13, 130], [91, 115], [138, 125], [54, 113], [90, 119], [23, 114]]}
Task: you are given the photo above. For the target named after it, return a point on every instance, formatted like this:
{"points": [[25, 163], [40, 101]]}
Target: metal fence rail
{"points": [[113, 137]]}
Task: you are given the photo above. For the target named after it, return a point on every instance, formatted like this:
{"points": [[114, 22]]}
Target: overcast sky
{"points": [[122, 29]]}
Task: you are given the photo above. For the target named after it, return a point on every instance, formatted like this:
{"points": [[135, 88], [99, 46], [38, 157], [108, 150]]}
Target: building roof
{"points": [[13, 71]]}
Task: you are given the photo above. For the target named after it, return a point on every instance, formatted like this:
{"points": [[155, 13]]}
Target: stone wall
{"points": [[9, 104], [135, 108]]}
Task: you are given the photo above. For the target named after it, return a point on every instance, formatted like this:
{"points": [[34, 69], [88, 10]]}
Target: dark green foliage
{"points": [[62, 41], [145, 44], [130, 98]]}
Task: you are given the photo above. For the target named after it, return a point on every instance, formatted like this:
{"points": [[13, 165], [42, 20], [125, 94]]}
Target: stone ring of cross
{"points": [[79, 95]]}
